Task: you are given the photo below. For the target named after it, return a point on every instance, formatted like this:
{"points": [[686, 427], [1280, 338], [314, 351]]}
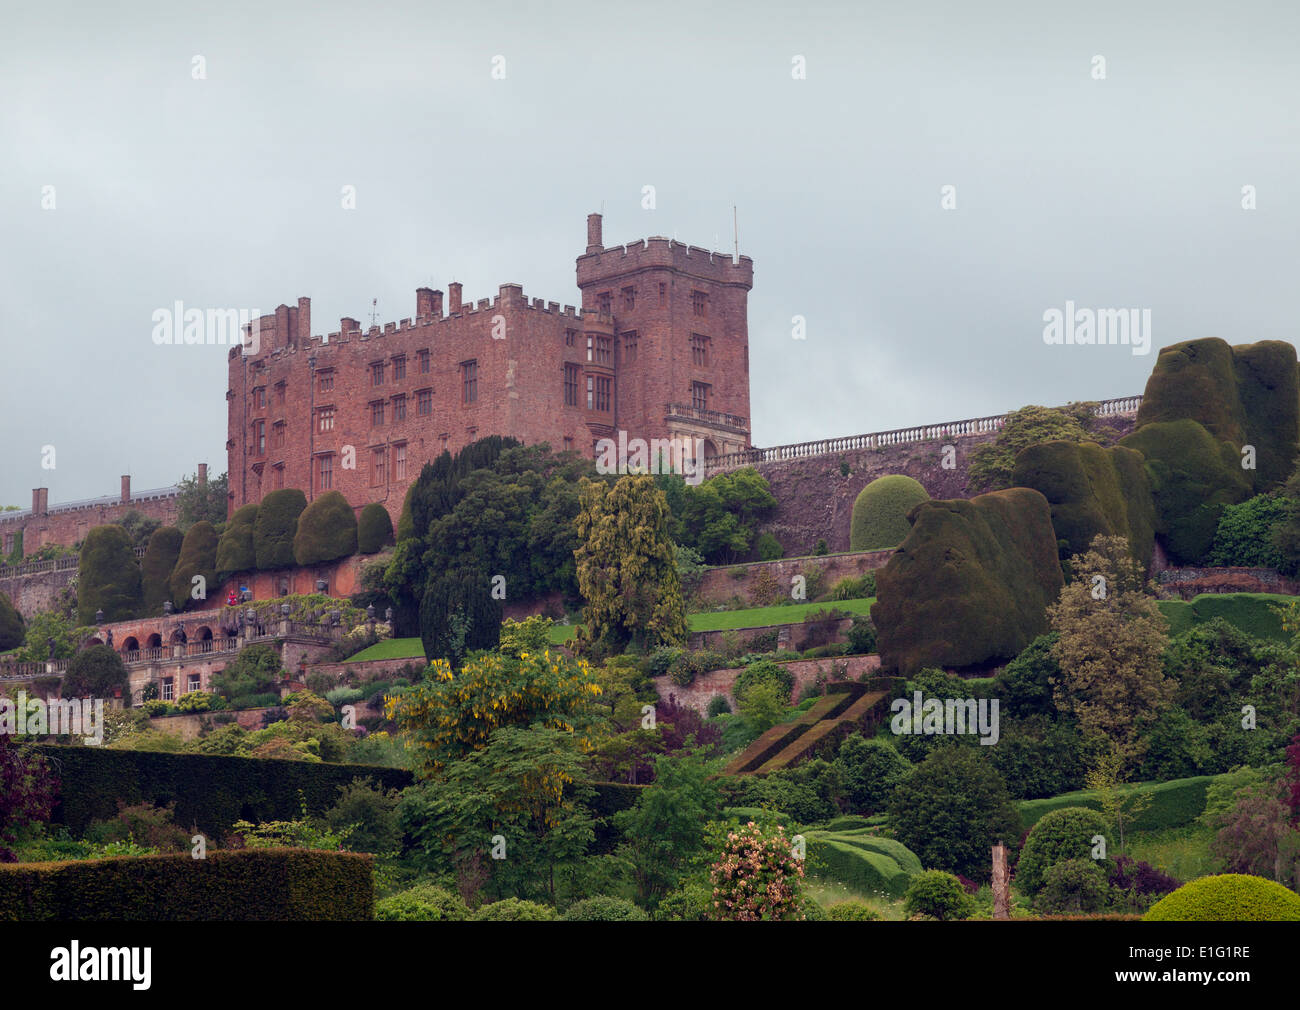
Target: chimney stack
{"points": [[304, 320], [203, 475], [453, 298], [595, 243], [36, 501], [423, 303], [126, 488]]}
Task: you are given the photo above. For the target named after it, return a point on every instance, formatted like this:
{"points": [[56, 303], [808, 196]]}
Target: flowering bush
{"points": [[757, 877]]}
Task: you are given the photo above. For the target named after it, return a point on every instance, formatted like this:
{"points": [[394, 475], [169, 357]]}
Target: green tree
{"points": [[869, 771], [197, 560], [1246, 534], [156, 567], [13, 632], [327, 530], [1120, 807], [96, 672], [253, 671], [235, 552], [459, 615], [108, 576], [992, 464], [374, 529], [197, 502], [1066, 833], [626, 567], [762, 707], [138, 526], [275, 527], [938, 895]]}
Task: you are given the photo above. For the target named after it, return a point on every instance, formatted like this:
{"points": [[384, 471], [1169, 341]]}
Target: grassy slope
{"points": [[1253, 613]]}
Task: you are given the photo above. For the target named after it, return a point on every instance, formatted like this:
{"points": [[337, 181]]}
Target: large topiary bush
{"points": [[880, 512], [374, 529], [198, 557], [1228, 897], [275, 527], [108, 576], [327, 530], [1060, 835], [156, 567], [13, 630], [235, 551], [971, 582]]}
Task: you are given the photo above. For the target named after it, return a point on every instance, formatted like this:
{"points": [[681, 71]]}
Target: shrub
{"points": [[252, 672], [604, 909], [327, 530], [97, 672], [686, 667], [1229, 897], [265, 885], [880, 512], [155, 706], [514, 910], [1139, 882], [344, 695], [764, 672], [820, 550], [689, 903], [142, 824], [1245, 534], [368, 813], [13, 630], [862, 587], [195, 701], [661, 660], [869, 770], [156, 568], [374, 529], [851, 911], [1072, 886], [275, 527], [938, 895], [768, 548], [235, 552], [422, 903], [108, 576], [458, 615], [1060, 835], [861, 637], [718, 705], [197, 560], [756, 877]]}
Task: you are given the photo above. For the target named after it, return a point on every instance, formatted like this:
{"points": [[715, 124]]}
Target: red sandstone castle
{"points": [[659, 349]]}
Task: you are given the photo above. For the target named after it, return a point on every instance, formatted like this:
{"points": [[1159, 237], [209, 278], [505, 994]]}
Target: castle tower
{"points": [[681, 338]]}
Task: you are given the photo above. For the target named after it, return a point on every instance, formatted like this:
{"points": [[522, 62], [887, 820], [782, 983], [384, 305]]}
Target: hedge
{"points": [[246, 885], [275, 527], [198, 557], [374, 529], [13, 630], [156, 567], [108, 576], [1173, 803], [862, 862], [1228, 897], [327, 530], [235, 548], [1253, 613], [880, 511]]}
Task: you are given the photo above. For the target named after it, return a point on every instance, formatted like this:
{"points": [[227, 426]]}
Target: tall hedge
{"points": [[374, 529], [13, 630], [970, 584], [456, 602], [275, 527], [235, 548], [108, 576], [156, 567], [198, 557], [243, 885], [327, 530], [1092, 491], [880, 512]]}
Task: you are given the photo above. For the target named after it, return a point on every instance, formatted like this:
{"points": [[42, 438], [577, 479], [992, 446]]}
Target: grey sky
{"points": [[225, 192]]}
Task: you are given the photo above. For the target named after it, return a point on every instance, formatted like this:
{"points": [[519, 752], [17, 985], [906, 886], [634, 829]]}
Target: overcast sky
{"points": [[1122, 192]]}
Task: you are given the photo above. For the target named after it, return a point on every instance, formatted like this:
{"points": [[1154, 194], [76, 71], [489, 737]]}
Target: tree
{"points": [[756, 877], [44, 626], [1246, 534], [374, 529], [207, 502], [28, 789], [156, 567], [235, 552], [626, 567], [275, 527], [762, 707], [1066, 833], [991, 464], [459, 615], [1255, 835], [951, 809], [938, 895], [1121, 808], [717, 518], [1112, 639], [869, 770], [880, 512], [327, 530], [96, 672], [253, 671], [13, 631], [138, 526], [108, 576], [196, 567]]}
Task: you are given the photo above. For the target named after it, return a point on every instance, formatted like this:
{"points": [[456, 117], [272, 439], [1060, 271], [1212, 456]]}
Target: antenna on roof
{"points": [[735, 230], [374, 311]]}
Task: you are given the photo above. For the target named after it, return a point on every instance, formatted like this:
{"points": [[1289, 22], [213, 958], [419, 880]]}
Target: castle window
{"points": [[424, 402], [569, 336], [325, 418], [376, 413], [570, 385], [568, 444], [606, 300], [325, 381], [325, 473], [261, 438], [700, 395], [469, 381], [168, 688], [192, 681], [603, 384], [399, 462], [591, 394], [259, 398], [277, 478], [629, 299], [377, 373], [604, 352], [699, 349], [629, 347], [399, 408], [423, 358], [663, 296], [699, 303], [279, 393], [379, 459], [399, 368], [277, 435]]}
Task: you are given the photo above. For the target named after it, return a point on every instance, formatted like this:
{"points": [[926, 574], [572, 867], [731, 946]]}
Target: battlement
{"points": [[602, 264]]}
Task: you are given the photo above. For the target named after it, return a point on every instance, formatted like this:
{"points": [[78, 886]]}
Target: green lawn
{"points": [[1253, 613], [392, 648], [1182, 852]]}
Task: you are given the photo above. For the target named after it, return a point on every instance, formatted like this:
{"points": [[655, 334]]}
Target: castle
{"points": [[659, 349]]}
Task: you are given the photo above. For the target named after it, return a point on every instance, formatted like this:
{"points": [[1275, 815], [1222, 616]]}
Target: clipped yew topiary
{"points": [[195, 574], [880, 512], [374, 529], [1227, 897], [156, 567], [108, 576], [275, 527], [458, 615], [971, 582], [1063, 834], [1092, 490], [327, 530], [13, 630], [235, 548]]}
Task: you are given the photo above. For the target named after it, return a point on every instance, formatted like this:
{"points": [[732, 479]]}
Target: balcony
{"points": [[684, 412]]}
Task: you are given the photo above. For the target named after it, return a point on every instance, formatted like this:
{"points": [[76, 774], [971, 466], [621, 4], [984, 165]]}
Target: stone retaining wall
{"points": [[805, 671]]}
